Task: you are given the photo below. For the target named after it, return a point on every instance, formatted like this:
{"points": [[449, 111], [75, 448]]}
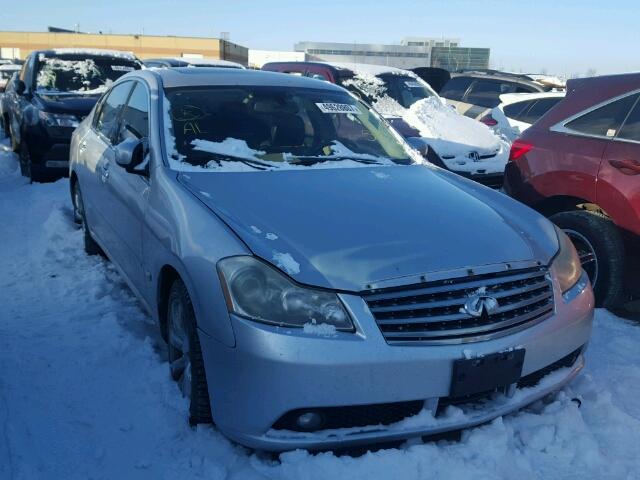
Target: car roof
{"points": [[204, 76], [495, 75], [509, 98], [10, 66], [584, 93], [181, 61]]}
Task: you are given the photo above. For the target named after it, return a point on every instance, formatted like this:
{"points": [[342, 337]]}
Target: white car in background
{"points": [[518, 111], [6, 72]]}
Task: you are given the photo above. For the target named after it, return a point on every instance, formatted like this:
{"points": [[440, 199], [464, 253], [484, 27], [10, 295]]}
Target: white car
{"points": [[518, 111], [6, 72], [459, 143]]}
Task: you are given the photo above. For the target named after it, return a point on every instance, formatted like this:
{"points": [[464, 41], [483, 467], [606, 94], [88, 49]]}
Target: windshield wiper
{"points": [[258, 165], [315, 160]]}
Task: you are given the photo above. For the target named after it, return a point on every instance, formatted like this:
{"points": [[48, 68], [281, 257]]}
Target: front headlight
{"points": [[259, 292], [566, 263], [59, 119]]}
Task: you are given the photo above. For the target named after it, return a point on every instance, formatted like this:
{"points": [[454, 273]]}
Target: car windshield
{"points": [[86, 75], [405, 90], [252, 128]]}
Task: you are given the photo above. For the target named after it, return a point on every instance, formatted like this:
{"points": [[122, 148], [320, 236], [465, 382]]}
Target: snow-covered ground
{"points": [[85, 391]]}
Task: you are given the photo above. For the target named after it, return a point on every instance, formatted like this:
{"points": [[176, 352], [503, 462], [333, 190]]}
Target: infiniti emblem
{"points": [[474, 156], [479, 303]]}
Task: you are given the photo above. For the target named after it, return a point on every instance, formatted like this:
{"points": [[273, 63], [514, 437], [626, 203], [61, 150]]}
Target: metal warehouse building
{"points": [[20, 44]]}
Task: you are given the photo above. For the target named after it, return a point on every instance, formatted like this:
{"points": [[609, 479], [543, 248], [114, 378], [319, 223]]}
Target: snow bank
{"points": [[453, 136], [8, 160]]}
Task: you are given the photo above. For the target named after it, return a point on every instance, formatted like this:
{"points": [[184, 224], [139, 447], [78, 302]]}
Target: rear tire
{"points": [[185, 356], [602, 252], [90, 245]]}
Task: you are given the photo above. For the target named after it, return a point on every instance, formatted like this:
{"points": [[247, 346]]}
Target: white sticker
{"points": [[611, 132], [338, 108], [122, 68], [413, 84]]}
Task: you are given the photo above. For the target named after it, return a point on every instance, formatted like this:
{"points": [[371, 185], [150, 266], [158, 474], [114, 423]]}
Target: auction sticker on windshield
{"points": [[338, 108]]}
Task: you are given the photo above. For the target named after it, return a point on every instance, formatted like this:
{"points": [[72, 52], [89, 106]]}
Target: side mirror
{"points": [[130, 155], [20, 87], [417, 143]]}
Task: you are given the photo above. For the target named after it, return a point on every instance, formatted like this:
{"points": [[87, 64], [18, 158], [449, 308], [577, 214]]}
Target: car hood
{"points": [[348, 228], [79, 104]]}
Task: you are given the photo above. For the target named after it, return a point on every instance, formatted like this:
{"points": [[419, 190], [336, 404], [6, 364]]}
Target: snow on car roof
{"points": [[370, 69], [94, 52], [508, 98], [10, 66]]}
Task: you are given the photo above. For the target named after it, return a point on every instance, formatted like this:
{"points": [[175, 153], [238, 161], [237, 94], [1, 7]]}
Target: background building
{"points": [[20, 44], [412, 52], [460, 58], [400, 56], [257, 58]]}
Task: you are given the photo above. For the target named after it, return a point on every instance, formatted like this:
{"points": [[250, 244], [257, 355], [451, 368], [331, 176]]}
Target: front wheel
{"points": [[79, 216], [185, 356], [601, 251]]}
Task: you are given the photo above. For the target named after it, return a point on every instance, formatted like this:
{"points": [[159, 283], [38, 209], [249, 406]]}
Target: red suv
{"points": [[580, 165]]}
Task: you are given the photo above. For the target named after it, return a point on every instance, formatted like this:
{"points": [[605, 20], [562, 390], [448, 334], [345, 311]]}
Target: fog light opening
{"points": [[309, 421]]}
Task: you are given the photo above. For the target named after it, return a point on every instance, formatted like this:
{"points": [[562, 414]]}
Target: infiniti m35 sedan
{"points": [[317, 284]]}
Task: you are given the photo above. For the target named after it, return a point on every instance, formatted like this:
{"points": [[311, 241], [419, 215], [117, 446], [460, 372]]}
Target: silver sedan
{"points": [[318, 284]]}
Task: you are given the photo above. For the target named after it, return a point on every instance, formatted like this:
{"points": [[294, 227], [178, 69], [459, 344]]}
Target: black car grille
{"points": [[433, 312]]}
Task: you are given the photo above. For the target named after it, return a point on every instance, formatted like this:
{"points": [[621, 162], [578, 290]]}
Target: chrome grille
{"points": [[433, 312]]}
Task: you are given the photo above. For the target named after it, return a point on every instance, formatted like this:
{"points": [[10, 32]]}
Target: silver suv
{"points": [[317, 285]]}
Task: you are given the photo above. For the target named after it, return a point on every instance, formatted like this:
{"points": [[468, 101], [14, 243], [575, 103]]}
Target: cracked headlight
{"points": [[566, 263], [59, 119], [259, 292]]}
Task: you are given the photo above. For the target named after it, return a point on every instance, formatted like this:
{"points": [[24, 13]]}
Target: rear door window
{"points": [[486, 93], [455, 88], [631, 128], [538, 109], [514, 110], [605, 120]]}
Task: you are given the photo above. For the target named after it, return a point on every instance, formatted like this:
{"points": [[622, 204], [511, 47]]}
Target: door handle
{"points": [[83, 146], [626, 166]]}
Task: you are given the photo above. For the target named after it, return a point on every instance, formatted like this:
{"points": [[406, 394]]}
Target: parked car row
{"points": [[317, 283], [415, 110]]}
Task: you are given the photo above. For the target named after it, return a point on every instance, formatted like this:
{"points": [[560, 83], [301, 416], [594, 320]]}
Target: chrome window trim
{"points": [[561, 127]]}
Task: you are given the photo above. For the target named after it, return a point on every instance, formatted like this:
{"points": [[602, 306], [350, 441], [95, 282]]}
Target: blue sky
{"points": [[561, 36]]}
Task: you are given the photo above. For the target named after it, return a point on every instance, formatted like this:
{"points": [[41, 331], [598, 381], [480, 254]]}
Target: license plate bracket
{"points": [[486, 373]]}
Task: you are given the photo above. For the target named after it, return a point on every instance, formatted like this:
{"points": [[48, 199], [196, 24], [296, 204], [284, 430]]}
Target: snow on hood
{"points": [[454, 136], [347, 228]]}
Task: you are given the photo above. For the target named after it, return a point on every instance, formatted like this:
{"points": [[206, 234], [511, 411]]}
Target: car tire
{"points": [[601, 249], [26, 167], [91, 247], [186, 364]]}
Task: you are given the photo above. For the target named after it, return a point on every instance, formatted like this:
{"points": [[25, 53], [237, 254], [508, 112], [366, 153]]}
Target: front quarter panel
{"points": [[184, 234]]}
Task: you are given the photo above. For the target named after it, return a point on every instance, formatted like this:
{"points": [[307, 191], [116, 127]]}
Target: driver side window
{"points": [[109, 114]]}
